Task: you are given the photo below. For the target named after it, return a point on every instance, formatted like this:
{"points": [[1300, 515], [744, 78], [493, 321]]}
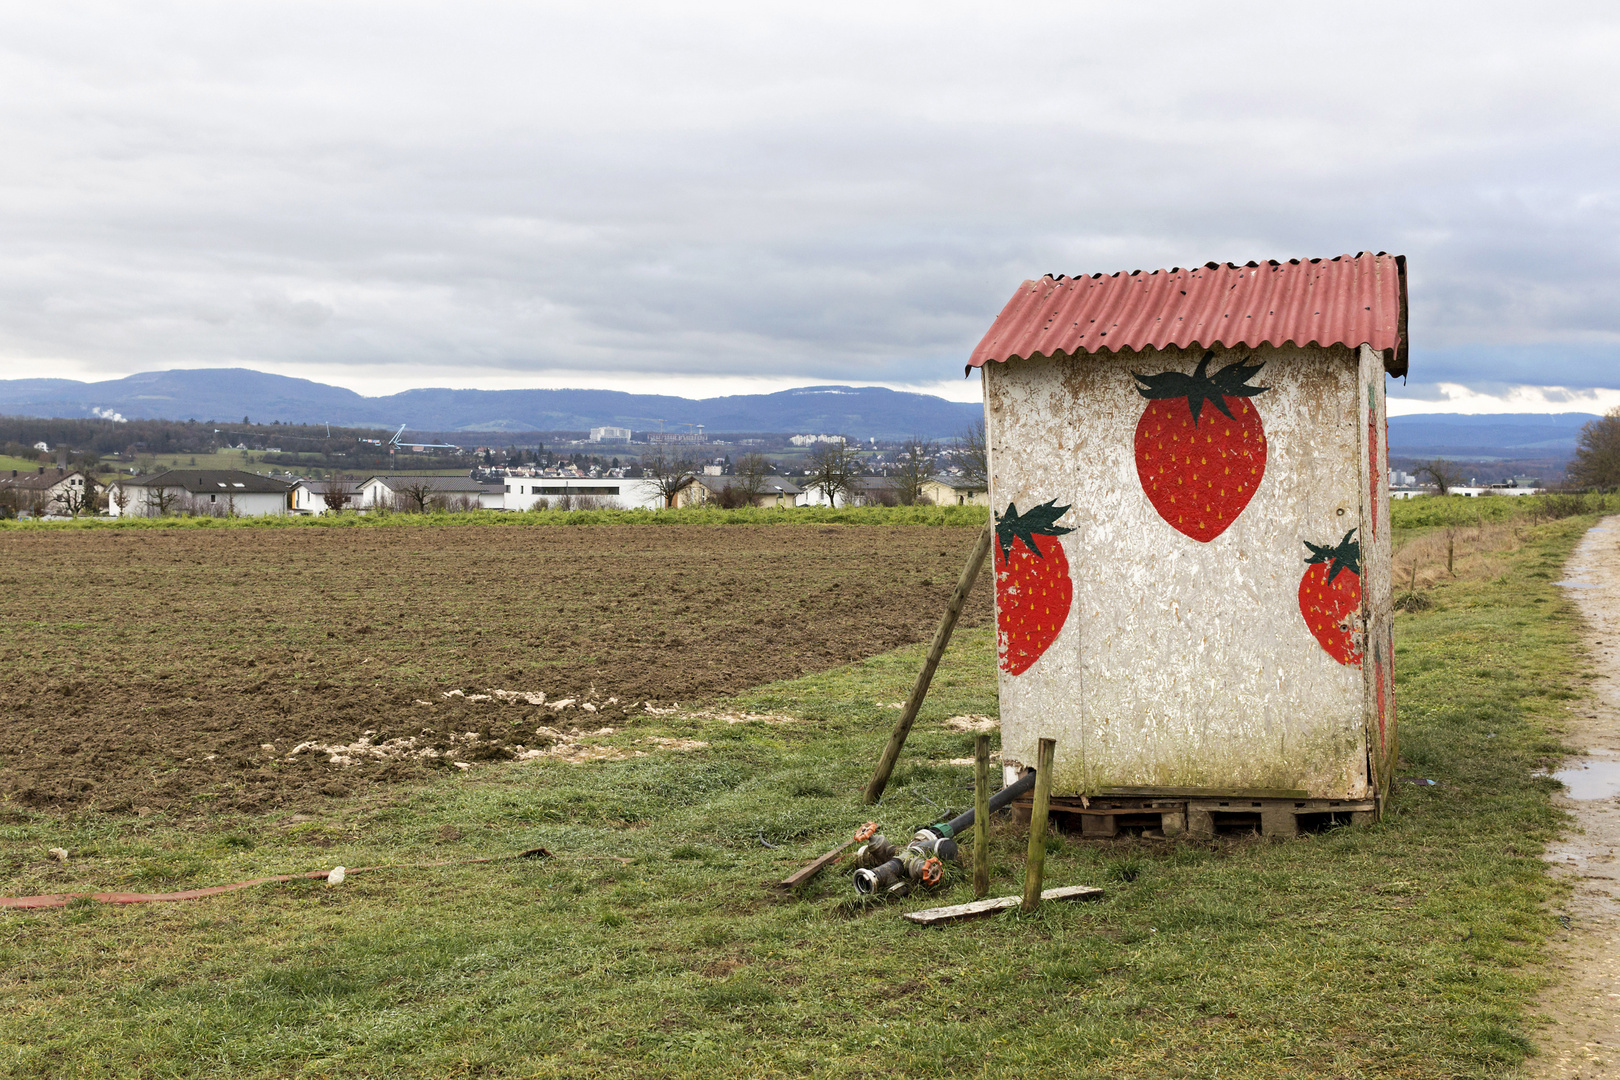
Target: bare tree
{"points": [[751, 469], [162, 501], [1597, 454], [914, 468], [336, 495], [1443, 474], [973, 455], [119, 496], [415, 492], [76, 501], [669, 474], [833, 468]]}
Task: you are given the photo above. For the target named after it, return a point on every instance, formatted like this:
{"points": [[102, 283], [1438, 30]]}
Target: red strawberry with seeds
{"points": [[1330, 597], [1033, 590], [1200, 470]]}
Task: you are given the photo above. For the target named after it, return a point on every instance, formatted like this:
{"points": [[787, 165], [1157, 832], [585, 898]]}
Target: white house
{"points": [[867, 491], [400, 491], [309, 496], [607, 492], [199, 492], [53, 491], [774, 492], [943, 490]]}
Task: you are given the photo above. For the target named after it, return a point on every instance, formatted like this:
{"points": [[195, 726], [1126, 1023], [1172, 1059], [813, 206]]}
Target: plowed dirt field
{"points": [[180, 668]]}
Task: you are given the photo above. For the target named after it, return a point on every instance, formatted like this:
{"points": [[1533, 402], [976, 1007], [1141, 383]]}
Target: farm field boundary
{"points": [[934, 516], [650, 946]]}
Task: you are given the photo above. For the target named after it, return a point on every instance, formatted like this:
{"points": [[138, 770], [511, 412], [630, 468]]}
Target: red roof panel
{"points": [[1351, 300]]}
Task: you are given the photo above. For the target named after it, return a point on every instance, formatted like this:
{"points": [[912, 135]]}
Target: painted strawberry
{"points": [[1033, 590], [1199, 470], [1330, 597]]}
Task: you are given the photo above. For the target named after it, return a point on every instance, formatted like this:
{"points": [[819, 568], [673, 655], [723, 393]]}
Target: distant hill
{"points": [[231, 393], [228, 394], [1551, 435]]}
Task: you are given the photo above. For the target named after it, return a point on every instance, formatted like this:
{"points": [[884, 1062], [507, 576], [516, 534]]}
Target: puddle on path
{"points": [[1576, 584], [1594, 778]]}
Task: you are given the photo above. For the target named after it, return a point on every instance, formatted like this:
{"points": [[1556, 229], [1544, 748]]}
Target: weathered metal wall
{"points": [[1377, 593], [1181, 662]]}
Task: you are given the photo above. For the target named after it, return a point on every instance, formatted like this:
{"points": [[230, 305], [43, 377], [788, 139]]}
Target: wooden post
{"points": [[1035, 868], [981, 816], [942, 637]]}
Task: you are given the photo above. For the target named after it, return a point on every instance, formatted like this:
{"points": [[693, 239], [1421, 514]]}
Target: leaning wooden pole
{"points": [[981, 816], [942, 638], [1035, 867]]}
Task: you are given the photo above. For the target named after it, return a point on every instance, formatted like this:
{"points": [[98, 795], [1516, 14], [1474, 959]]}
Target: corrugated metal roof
{"points": [[1351, 300]]}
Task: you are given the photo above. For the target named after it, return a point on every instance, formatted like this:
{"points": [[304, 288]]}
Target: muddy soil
{"points": [[1583, 1037], [151, 669]]}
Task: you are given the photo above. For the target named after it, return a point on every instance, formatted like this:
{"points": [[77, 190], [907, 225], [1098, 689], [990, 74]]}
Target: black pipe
{"points": [[935, 841], [962, 822]]}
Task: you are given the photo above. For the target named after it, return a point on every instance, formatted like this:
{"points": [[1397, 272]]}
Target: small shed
{"points": [[1192, 553]]}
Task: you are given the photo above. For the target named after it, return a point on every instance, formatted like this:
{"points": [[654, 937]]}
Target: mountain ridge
{"points": [[222, 394], [226, 393]]}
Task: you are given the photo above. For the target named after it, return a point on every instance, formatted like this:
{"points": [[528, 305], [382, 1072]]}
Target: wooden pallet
{"points": [[1168, 817]]}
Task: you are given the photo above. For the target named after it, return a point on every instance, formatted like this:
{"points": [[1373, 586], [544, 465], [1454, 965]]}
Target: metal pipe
{"points": [[923, 858], [1001, 798]]}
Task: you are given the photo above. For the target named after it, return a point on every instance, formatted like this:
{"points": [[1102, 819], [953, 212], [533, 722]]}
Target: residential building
{"points": [[398, 491], [775, 491], [944, 490], [199, 492], [309, 496], [608, 492], [48, 491], [867, 491]]}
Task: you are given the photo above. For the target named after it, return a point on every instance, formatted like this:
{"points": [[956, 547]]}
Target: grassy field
{"points": [[7, 463], [650, 944]]}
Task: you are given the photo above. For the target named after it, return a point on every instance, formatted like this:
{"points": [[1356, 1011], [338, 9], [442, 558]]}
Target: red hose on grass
{"points": [[56, 900]]}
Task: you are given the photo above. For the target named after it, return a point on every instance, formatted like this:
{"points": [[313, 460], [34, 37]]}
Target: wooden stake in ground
{"points": [[942, 637], [981, 816], [1035, 868]]}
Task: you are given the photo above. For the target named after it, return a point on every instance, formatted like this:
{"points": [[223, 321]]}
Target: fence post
{"points": [[1035, 867], [981, 816]]}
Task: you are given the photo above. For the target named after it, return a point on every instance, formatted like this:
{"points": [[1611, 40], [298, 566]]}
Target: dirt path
{"points": [[1583, 1039]]}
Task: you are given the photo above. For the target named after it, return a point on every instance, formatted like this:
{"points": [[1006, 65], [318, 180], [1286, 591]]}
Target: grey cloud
{"points": [[843, 194]]}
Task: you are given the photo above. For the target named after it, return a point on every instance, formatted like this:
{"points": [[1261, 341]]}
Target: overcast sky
{"points": [[718, 198]]}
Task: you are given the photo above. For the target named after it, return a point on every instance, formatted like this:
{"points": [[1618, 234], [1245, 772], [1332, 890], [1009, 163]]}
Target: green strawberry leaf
{"points": [[1041, 521], [1201, 386], [1346, 555]]}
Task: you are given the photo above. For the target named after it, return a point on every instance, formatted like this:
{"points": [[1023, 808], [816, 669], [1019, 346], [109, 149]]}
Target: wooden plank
{"points": [[919, 690], [1206, 793], [811, 869], [940, 915]]}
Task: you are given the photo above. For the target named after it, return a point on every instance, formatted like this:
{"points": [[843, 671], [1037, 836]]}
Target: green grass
{"points": [[955, 516], [22, 465], [1437, 511], [1409, 948]]}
